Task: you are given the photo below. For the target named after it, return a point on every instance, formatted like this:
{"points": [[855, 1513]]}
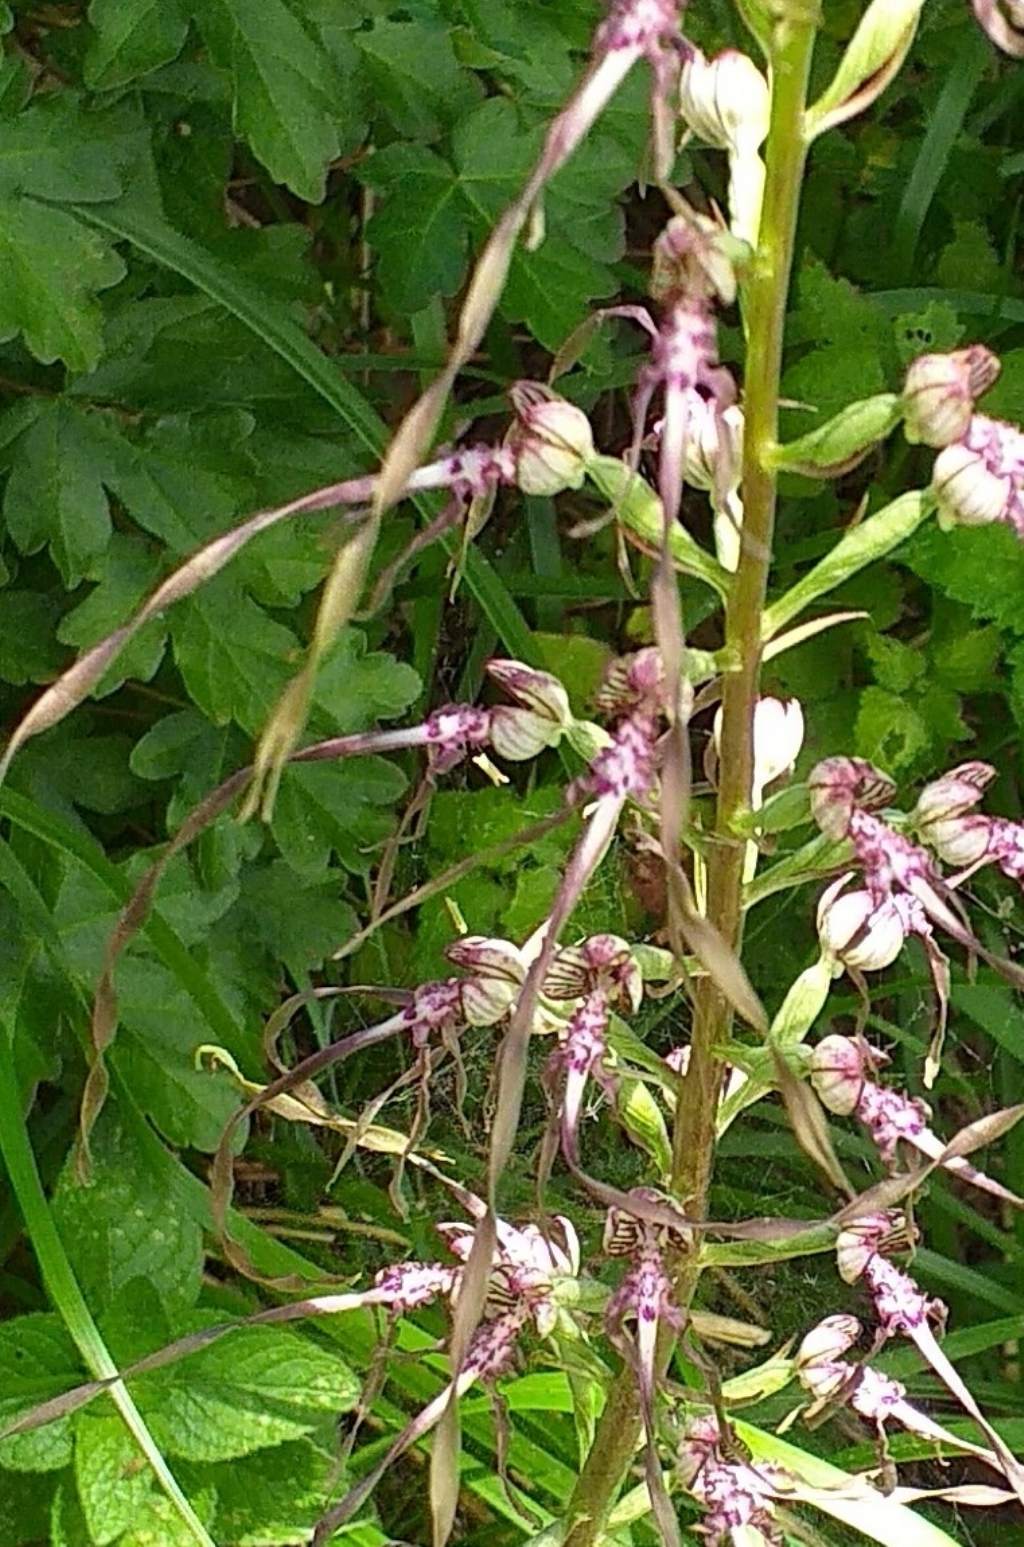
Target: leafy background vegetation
{"points": [[229, 236]]}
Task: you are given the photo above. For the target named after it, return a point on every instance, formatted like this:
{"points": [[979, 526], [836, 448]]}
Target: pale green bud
{"points": [[832, 449], [872, 60]]}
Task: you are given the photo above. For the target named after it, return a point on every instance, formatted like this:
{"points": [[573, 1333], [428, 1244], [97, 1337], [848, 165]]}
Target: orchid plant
{"points": [[624, 1326]]}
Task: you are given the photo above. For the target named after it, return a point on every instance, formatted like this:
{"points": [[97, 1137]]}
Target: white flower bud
{"points": [[959, 840], [725, 100], [837, 1074], [551, 439], [827, 1342], [968, 492], [778, 737], [940, 392], [856, 930], [955, 793]]}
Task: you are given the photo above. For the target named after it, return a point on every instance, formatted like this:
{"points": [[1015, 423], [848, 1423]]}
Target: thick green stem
{"points": [[694, 1141]]}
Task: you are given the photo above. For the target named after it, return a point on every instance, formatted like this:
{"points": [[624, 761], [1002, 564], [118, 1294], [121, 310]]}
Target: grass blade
{"points": [[63, 1288]]}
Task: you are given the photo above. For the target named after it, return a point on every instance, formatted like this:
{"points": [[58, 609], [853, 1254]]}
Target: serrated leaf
{"points": [[112, 1480], [934, 330], [37, 1361], [233, 656], [121, 1228], [282, 84], [982, 567], [57, 150], [124, 573], [889, 729], [260, 1387], [132, 37], [55, 494], [273, 1499], [53, 266], [422, 231], [323, 809], [412, 74]]}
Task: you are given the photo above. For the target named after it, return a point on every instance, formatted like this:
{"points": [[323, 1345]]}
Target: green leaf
{"points": [[120, 1227], [342, 809], [24, 1509], [124, 573], [981, 566], [422, 230], [257, 1388], [132, 38], [53, 267], [57, 150], [28, 629], [112, 1485], [412, 74], [55, 493], [273, 1499], [38, 1361], [932, 331], [233, 656], [282, 84]]}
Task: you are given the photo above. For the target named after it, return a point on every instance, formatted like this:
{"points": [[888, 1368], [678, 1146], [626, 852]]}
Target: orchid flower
{"points": [[961, 836], [598, 973], [644, 1297], [845, 794], [737, 1495], [902, 1309], [841, 1070], [525, 1271], [827, 1377]]}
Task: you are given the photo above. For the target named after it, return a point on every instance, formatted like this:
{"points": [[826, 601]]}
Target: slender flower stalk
{"points": [[765, 297]]}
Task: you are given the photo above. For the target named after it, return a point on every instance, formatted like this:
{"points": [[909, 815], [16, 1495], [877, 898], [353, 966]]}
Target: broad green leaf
{"points": [[980, 566], [259, 1387], [132, 38], [113, 1484], [38, 1361], [282, 86], [28, 636], [412, 74], [121, 1228], [24, 1509], [274, 1498], [56, 150], [232, 655], [422, 230], [55, 493], [53, 267], [341, 809], [124, 573]]}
